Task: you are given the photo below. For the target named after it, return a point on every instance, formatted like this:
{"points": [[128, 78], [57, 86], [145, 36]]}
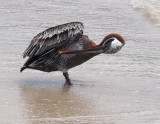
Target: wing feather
{"points": [[52, 37]]}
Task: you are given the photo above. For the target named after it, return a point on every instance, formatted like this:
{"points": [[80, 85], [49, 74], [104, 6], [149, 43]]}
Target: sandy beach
{"points": [[123, 88]]}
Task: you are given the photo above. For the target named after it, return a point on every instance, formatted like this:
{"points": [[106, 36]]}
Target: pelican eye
{"points": [[108, 41]]}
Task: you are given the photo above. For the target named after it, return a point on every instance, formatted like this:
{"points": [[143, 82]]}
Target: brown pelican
{"points": [[64, 46]]}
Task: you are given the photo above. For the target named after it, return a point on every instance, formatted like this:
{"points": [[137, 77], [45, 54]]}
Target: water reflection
{"points": [[56, 101]]}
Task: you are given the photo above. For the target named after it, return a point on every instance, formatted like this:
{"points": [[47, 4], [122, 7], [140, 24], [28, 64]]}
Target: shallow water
{"points": [[108, 89]]}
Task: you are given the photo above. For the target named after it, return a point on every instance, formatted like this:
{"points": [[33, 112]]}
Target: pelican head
{"points": [[112, 43]]}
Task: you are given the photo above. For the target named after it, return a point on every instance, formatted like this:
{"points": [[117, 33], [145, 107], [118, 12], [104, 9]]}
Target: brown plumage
{"points": [[119, 37], [63, 47]]}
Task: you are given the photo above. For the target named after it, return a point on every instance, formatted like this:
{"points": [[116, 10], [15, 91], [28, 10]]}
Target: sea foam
{"points": [[150, 7]]}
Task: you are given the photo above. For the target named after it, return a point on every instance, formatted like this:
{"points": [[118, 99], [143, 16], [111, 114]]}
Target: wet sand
{"points": [[109, 89]]}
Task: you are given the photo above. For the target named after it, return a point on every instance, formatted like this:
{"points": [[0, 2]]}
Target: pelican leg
{"points": [[66, 75]]}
